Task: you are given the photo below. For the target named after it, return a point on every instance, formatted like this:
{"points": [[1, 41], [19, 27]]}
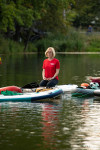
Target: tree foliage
{"points": [[24, 18], [14, 12], [46, 15], [88, 12]]}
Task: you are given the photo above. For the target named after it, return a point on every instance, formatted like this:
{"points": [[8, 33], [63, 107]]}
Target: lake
{"points": [[66, 123]]}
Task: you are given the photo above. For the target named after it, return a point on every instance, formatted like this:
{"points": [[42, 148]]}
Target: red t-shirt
{"points": [[50, 67]]}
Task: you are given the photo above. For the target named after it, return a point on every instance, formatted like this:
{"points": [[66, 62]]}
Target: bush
{"points": [[73, 41], [93, 43], [31, 48], [3, 45], [15, 47], [9, 46]]}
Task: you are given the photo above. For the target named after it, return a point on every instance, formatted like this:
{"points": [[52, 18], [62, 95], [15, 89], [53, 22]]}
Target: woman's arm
{"points": [[43, 74], [56, 74]]}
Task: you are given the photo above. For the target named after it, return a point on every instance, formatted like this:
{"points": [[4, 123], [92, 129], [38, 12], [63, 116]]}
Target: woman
{"points": [[51, 67]]}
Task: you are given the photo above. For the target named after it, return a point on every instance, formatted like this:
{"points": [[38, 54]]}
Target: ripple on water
{"points": [[67, 125]]}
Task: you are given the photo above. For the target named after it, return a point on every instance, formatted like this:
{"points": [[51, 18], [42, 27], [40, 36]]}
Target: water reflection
{"points": [[50, 121], [92, 127], [19, 125], [71, 124]]}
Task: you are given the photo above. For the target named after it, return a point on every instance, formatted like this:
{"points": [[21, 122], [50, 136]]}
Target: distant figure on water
{"points": [[51, 67]]}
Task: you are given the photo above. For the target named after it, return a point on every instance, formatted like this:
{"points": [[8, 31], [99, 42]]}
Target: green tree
{"points": [[87, 12], [56, 15], [24, 18]]}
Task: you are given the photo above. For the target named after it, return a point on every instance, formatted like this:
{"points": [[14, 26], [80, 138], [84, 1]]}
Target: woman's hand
{"points": [[50, 79], [44, 78]]}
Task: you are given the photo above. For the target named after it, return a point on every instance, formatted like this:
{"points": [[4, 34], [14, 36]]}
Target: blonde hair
{"points": [[52, 49]]}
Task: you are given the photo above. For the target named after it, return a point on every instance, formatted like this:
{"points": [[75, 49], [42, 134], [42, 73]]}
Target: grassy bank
{"points": [[73, 41], [93, 43]]}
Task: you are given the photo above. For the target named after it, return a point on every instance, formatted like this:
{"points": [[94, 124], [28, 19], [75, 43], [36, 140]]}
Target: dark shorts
{"points": [[48, 84]]}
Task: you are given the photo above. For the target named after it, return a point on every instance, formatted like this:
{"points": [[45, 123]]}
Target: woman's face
{"points": [[49, 53]]}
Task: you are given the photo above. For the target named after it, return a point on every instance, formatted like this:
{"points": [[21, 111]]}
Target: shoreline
{"points": [[31, 53], [78, 52]]}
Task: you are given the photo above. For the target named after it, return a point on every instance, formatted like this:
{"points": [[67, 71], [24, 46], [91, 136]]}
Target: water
{"points": [[22, 69], [63, 124]]}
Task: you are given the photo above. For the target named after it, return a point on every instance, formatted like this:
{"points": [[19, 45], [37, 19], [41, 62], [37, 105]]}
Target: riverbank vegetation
{"points": [[32, 26], [73, 41]]}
